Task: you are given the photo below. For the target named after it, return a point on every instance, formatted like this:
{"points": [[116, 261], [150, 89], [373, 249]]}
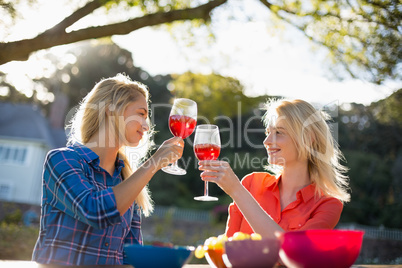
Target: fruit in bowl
{"points": [[321, 248], [214, 248], [150, 256]]}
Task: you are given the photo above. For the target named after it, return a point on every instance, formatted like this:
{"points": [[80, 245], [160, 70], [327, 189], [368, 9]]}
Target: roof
{"points": [[25, 121]]}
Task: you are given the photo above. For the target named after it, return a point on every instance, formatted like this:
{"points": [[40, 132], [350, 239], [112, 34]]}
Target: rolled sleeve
{"points": [[71, 190]]}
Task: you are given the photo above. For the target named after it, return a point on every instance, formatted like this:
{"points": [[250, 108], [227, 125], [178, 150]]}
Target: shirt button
{"points": [[106, 244]]}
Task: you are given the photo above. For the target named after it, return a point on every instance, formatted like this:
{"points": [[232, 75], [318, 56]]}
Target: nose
{"points": [[145, 126], [269, 140]]}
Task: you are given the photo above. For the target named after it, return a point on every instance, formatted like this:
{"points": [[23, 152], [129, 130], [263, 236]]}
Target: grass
{"points": [[17, 241]]}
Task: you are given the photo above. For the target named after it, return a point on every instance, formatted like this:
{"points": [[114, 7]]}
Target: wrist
{"points": [[237, 190], [152, 166]]}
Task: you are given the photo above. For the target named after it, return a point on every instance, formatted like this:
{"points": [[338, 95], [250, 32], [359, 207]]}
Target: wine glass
{"points": [[182, 121], [207, 146]]}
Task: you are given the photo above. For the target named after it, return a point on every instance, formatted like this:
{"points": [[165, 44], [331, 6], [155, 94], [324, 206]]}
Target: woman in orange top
{"points": [[309, 190]]}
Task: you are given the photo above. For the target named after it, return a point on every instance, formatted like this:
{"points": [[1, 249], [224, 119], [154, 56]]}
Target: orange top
{"points": [[307, 212]]}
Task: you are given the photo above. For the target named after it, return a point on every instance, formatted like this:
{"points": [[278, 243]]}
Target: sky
{"points": [[266, 57]]}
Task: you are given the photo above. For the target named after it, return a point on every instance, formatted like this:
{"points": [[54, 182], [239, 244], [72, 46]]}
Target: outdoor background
{"points": [[344, 58]]}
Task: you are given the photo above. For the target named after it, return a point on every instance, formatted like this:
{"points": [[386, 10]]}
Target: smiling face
{"points": [[279, 144], [135, 119]]}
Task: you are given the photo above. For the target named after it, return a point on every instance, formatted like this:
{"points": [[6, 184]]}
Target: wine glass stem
{"points": [[174, 165], [205, 188]]}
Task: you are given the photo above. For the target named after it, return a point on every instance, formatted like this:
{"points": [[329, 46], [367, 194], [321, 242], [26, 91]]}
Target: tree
{"points": [[57, 35], [215, 95], [12, 94], [388, 111], [370, 138], [362, 35]]}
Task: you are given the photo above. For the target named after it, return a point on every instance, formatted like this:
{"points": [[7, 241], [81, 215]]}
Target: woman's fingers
{"points": [[209, 174], [170, 151], [221, 173], [175, 140], [213, 163]]}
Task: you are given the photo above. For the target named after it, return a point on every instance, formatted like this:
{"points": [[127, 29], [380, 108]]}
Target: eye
{"points": [[142, 114]]}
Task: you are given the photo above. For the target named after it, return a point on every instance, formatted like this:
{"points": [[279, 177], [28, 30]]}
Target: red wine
{"points": [[181, 125], [207, 151]]}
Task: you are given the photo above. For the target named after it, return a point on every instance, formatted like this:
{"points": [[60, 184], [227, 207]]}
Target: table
{"points": [[30, 264]]}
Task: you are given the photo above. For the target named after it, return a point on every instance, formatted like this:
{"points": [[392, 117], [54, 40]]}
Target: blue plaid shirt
{"points": [[80, 224]]}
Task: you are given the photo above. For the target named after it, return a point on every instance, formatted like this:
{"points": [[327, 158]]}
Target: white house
{"points": [[25, 138]]}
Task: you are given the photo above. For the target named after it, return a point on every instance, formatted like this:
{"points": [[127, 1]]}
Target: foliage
{"points": [[373, 152], [12, 94], [213, 90], [10, 9], [388, 111], [16, 241], [152, 11], [92, 61], [372, 190], [363, 35], [13, 218]]}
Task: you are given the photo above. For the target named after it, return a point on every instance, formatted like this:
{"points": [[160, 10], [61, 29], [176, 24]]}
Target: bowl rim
{"points": [[324, 232], [175, 248], [257, 240]]}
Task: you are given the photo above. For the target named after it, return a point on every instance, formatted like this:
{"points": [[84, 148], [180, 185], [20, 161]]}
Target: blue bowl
{"points": [[155, 257]]}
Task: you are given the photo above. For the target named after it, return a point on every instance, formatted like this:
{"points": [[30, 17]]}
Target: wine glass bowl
{"points": [[207, 151], [182, 122], [207, 146]]}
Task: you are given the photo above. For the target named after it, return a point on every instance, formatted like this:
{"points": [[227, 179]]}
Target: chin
{"points": [[132, 144], [276, 161]]}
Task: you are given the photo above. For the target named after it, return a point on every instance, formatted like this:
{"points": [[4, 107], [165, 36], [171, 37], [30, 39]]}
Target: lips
{"points": [[273, 150]]}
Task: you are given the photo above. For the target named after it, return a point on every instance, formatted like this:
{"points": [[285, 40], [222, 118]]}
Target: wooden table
{"points": [[29, 264]]}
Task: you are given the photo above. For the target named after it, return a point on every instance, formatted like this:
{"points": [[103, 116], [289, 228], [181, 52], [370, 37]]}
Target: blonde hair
{"points": [[110, 97], [313, 139]]}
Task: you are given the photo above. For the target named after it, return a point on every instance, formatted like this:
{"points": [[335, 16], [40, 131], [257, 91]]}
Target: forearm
{"points": [[127, 191], [258, 219]]}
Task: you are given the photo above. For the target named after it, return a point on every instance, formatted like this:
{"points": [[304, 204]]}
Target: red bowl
{"points": [[214, 258], [252, 253], [321, 248]]}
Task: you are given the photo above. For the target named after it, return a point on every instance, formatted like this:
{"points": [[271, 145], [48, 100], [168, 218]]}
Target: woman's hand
{"points": [[222, 174], [168, 152]]}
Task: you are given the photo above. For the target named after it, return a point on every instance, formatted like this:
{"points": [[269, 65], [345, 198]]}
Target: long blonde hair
{"points": [[313, 139], [111, 96]]}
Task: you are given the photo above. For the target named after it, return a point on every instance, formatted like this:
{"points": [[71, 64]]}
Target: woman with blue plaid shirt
{"points": [[91, 198]]}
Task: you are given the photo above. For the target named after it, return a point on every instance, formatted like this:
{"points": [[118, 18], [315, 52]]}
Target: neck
{"points": [[107, 151], [295, 177]]}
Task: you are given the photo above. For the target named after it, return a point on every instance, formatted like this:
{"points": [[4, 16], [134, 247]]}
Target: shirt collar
{"points": [[91, 157], [86, 153], [273, 183], [307, 192]]}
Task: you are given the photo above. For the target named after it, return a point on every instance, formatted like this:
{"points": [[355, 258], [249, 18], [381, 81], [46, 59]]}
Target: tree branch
{"points": [[20, 50], [77, 15]]}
